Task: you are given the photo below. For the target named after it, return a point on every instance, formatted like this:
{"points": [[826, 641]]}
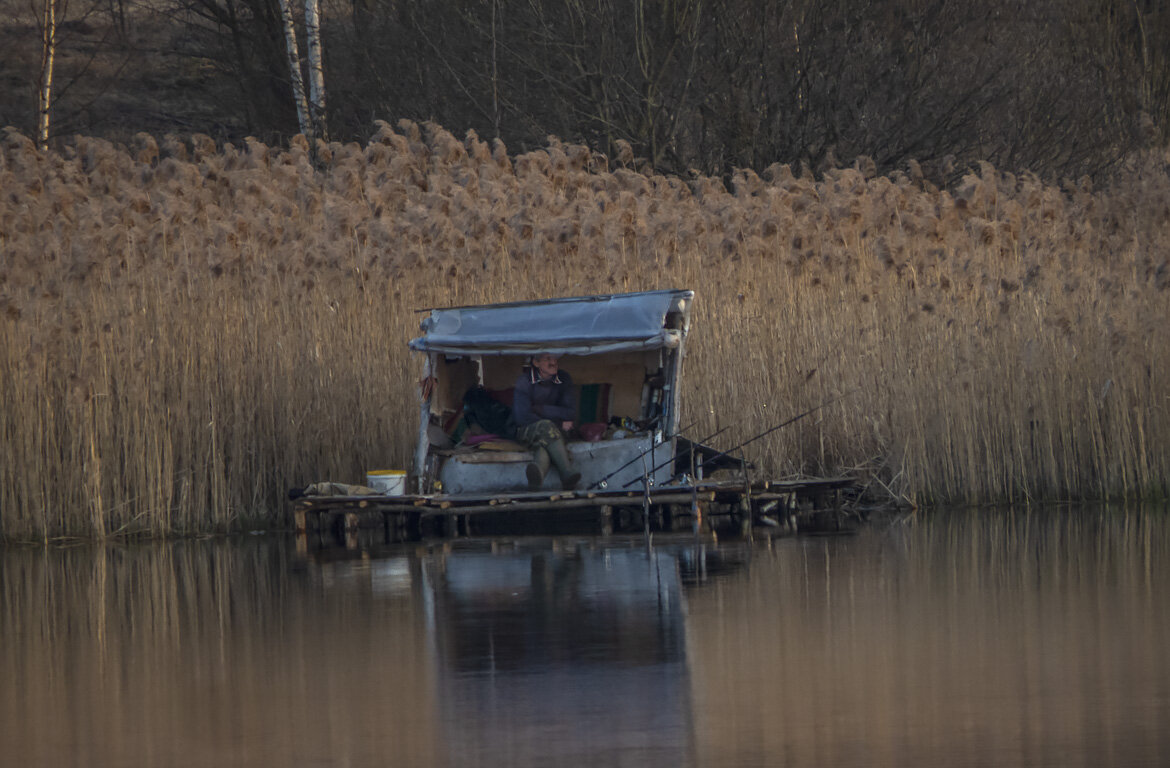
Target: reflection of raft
{"points": [[784, 506], [572, 655]]}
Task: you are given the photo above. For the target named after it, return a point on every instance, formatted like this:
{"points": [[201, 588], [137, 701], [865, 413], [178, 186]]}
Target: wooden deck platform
{"points": [[781, 505]]}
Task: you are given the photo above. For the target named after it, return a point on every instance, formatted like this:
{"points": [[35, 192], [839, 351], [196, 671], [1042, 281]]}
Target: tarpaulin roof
{"points": [[580, 325]]}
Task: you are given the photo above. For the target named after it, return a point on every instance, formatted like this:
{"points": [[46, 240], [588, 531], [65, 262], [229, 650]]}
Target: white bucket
{"points": [[391, 482]]}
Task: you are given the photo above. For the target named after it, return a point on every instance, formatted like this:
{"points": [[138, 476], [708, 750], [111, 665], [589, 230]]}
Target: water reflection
{"points": [[570, 656], [988, 638], [981, 638], [204, 653]]}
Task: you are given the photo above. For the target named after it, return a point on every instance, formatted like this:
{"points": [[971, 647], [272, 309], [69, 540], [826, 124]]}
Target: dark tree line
{"points": [[1061, 87]]}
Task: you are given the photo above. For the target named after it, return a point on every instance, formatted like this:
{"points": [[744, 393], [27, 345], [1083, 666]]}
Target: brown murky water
{"points": [[974, 639]]}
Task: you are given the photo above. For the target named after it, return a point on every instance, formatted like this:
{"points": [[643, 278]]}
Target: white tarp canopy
{"points": [[585, 325]]}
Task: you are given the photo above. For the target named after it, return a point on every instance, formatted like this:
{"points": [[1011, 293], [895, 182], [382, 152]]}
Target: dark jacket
{"points": [[534, 399], [481, 409]]}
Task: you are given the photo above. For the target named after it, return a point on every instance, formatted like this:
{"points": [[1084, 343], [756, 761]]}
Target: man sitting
{"points": [[544, 406]]}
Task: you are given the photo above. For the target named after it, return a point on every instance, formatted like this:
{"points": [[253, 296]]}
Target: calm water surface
{"points": [[974, 639]]}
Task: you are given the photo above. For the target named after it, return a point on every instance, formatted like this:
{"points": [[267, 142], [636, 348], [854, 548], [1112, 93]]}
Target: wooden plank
{"points": [[552, 507], [375, 507], [493, 457], [775, 486], [727, 491], [810, 483]]}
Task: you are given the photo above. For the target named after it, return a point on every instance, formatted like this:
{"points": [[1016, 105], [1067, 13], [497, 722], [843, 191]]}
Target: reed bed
{"points": [[186, 330]]}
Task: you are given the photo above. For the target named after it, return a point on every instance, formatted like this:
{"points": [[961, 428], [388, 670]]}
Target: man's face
{"points": [[547, 365]]}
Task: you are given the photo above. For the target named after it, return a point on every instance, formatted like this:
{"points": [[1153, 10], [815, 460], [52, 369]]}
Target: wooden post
{"points": [[421, 477], [745, 501], [645, 500]]}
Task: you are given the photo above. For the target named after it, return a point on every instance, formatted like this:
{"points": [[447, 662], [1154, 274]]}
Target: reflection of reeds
{"points": [[967, 634], [190, 653], [187, 330]]}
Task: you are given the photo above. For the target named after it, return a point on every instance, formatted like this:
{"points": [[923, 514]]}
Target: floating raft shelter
{"points": [[639, 471]]}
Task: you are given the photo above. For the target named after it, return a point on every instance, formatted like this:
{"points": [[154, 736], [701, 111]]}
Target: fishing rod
{"points": [[604, 482], [768, 431]]}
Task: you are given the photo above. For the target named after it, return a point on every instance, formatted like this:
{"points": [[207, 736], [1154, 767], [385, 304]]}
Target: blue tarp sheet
{"points": [[580, 325]]}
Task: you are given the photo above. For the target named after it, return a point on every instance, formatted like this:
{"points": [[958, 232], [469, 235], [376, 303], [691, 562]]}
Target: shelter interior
{"points": [[610, 387]]}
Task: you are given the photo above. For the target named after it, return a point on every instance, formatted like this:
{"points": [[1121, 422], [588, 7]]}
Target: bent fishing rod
{"points": [[767, 431]]}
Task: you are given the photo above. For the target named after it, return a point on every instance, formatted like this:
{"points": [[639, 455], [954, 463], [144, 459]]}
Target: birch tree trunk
{"points": [[45, 89], [316, 69], [294, 70]]}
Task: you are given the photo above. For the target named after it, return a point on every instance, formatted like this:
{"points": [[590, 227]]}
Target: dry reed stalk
{"points": [[189, 330]]}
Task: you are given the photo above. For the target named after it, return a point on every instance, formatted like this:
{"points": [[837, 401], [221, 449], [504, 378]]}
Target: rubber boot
{"points": [[538, 468], [560, 459]]}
